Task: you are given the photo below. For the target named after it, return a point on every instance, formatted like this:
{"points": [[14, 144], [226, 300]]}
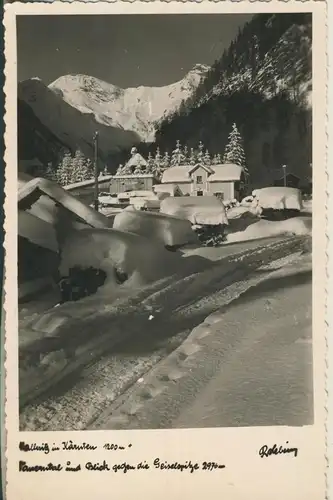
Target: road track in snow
{"points": [[78, 401]]}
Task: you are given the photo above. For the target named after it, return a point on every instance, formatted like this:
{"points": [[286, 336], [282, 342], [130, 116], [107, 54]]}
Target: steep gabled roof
{"points": [[202, 165], [136, 160], [176, 174]]}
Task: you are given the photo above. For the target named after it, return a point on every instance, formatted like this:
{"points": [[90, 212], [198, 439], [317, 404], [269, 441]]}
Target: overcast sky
{"points": [[126, 50]]}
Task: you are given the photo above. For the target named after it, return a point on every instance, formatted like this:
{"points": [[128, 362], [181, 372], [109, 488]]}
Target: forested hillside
{"points": [[263, 83]]}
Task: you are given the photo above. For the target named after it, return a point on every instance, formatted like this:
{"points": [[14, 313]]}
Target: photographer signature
{"points": [[266, 451]]}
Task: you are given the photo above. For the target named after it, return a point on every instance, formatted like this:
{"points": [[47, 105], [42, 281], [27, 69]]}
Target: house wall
{"points": [[208, 188], [185, 187], [120, 185], [226, 188], [201, 186]]}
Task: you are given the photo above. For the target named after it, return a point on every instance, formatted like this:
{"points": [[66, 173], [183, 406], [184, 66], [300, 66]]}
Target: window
{"points": [[199, 179], [199, 193]]}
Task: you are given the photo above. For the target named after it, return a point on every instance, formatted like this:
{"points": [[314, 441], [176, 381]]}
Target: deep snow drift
{"points": [[265, 229], [168, 230], [197, 209], [129, 260], [74, 335], [278, 198]]}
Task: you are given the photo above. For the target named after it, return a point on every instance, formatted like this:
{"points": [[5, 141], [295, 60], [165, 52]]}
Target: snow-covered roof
{"points": [[136, 160], [176, 174], [225, 172], [132, 176]]}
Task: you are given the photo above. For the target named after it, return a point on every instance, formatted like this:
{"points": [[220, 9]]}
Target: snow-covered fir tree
{"points": [[207, 160], [157, 164], [51, 173], [150, 164], [89, 169], [177, 156], [184, 156], [217, 159], [79, 171], [192, 158], [64, 171], [234, 151], [165, 161], [200, 155]]}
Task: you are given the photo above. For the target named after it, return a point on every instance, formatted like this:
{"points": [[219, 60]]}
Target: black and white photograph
{"points": [[165, 221]]}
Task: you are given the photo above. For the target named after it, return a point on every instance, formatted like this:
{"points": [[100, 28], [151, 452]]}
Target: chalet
{"points": [[132, 176], [132, 182], [226, 181]]}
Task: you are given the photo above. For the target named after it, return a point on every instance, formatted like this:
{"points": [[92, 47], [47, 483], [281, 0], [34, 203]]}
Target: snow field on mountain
{"points": [[168, 230], [112, 105]]}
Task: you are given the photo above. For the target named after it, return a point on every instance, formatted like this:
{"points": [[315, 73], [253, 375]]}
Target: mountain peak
{"points": [[200, 68]]}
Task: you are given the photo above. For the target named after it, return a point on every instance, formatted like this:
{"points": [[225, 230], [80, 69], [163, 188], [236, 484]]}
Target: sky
{"points": [[125, 50]]}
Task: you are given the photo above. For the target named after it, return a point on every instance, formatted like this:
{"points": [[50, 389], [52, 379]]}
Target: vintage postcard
{"points": [[164, 298]]}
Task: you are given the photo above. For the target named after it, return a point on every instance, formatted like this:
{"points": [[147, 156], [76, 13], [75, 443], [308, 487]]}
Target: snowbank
{"points": [[240, 218], [279, 198], [170, 189], [129, 260], [166, 229], [239, 212], [146, 199], [201, 210], [265, 229], [307, 206]]}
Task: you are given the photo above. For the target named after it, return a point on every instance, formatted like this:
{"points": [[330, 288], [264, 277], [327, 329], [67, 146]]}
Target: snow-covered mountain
{"points": [[70, 125], [73, 107], [136, 109]]}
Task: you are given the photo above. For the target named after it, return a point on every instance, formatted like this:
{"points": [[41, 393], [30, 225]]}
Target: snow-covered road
{"points": [[88, 393], [248, 365]]}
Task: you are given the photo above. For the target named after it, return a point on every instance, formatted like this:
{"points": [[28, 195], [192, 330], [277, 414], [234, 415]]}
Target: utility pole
{"points": [[96, 170], [284, 175]]}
